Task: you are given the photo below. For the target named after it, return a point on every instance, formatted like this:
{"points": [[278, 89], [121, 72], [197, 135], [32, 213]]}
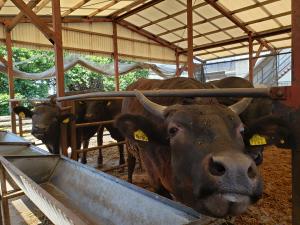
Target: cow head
{"points": [[95, 110], [46, 118], [211, 171]]}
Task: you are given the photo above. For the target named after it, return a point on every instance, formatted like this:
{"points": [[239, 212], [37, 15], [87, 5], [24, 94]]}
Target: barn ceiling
{"points": [[220, 28]]}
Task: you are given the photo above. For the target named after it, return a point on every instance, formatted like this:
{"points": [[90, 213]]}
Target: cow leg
{"points": [[131, 165], [163, 192], [100, 143], [121, 153], [85, 145]]}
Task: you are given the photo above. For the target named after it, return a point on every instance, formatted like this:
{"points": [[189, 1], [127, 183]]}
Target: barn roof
{"points": [[220, 27]]}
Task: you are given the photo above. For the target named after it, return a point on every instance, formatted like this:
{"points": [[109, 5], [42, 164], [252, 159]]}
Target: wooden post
{"points": [[73, 129], [190, 38], [59, 67], [10, 75], [177, 74], [295, 102], [4, 200], [251, 69], [116, 57]]}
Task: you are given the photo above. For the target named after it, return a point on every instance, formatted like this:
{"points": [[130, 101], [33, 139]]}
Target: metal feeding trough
{"points": [[68, 192]]}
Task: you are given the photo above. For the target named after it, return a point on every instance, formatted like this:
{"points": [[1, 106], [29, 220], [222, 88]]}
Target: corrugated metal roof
{"points": [[167, 20]]}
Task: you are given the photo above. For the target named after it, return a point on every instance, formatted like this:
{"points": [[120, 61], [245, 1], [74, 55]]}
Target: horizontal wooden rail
{"points": [[97, 147], [94, 123]]}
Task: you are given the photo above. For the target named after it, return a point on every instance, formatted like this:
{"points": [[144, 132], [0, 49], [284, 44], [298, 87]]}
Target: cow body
{"points": [[193, 151]]}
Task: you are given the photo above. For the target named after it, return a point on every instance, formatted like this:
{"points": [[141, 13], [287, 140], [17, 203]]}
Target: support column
{"points": [[190, 37], [251, 64], [10, 75], [295, 102], [116, 57], [59, 64], [177, 73]]}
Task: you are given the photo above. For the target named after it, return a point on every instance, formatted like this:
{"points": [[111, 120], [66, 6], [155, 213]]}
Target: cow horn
{"points": [[152, 107], [241, 105]]}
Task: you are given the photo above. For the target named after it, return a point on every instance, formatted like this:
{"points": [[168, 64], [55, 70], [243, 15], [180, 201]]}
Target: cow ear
{"points": [[66, 118], [22, 112], [138, 129], [268, 130]]}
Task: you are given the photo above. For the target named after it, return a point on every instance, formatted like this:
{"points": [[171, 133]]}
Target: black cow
{"points": [[258, 108], [193, 151], [46, 119], [102, 110]]}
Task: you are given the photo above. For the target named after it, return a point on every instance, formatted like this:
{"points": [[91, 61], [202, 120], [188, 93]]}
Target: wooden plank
{"points": [[35, 19], [116, 57], [2, 2], [190, 38], [31, 4], [4, 201]]}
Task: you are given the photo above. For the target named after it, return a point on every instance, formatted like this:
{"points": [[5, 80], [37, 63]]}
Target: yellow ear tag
{"points": [[258, 140], [108, 103], [66, 120], [22, 115], [140, 136]]}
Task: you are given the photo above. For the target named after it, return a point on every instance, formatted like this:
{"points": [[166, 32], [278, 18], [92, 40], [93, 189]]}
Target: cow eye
{"points": [[173, 131]]}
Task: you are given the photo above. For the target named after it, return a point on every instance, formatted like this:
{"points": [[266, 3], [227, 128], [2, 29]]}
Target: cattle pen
{"points": [[179, 32]]}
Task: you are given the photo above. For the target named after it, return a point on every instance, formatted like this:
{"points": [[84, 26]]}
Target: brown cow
{"points": [[192, 149]]}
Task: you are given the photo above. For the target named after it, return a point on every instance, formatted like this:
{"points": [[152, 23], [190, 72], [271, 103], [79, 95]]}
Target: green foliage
{"points": [[77, 78], [4, 103]]}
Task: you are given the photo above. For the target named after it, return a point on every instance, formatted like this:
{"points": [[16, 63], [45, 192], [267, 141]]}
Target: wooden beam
{"points": [[234, 20], [190, 38], [251, 67], [2, 2], [138, 9], [42, 4], [10, 74], [58, 49], [116, 57], [177, 64], [261, 47], [110, 4], [35, 19], [75, 7], [126, 8], [245, 38], [31, 4]]}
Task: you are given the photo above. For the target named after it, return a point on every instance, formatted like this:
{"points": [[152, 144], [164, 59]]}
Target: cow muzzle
{"points": [[233, 184]]}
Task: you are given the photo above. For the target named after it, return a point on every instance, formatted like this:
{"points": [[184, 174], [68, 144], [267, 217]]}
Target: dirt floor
{"points": [[273, 208]]}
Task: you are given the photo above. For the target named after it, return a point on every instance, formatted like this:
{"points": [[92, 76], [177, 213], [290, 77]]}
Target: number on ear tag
{"points": [[258, 140], [22, 115], [139, 135], [67, 120]]}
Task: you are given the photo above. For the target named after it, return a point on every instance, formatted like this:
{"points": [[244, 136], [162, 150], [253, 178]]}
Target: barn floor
{"points": [[273, 208]]}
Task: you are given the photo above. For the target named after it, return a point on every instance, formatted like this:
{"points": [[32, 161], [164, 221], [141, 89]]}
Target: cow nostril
{"points": [[216, 168], [251, 172]]}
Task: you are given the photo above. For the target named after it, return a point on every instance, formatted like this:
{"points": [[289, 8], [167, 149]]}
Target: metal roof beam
{"points": [[264, 34], [31, 4], [236, 21], [138, 9]]}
